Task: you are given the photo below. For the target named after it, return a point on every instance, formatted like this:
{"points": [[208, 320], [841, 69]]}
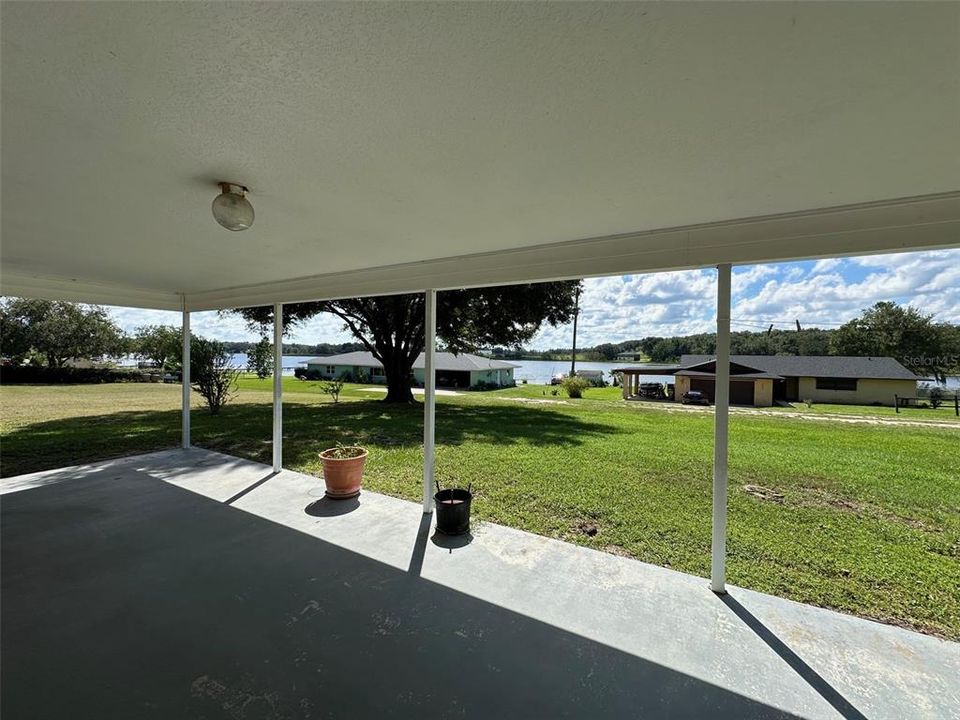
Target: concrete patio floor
{"points": [[190, 584]]}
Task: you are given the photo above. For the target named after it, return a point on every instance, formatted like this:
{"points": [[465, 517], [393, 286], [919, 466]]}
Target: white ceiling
{"points": [[376, 134]]}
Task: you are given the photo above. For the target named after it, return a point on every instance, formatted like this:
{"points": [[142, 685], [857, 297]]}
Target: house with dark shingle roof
{"points": [[453, 371], [761, 380]]}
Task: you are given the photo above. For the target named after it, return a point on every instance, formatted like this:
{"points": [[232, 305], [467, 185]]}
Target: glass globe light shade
{"points": [[231, 209]]}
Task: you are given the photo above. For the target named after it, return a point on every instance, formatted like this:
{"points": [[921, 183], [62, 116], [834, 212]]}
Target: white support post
{"points": [[721, 432], [277, 387], [429, 396], [185, 378]]}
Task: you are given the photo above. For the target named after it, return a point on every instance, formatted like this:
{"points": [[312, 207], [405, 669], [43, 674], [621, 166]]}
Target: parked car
{"points": [[652, 391], [694, 397]]}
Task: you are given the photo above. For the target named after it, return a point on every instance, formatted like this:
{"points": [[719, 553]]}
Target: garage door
{"points": [[703, 385], [741, 392], [453, 379]]}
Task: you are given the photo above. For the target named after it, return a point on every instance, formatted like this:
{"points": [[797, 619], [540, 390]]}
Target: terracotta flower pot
{"points": [[342, 476]]}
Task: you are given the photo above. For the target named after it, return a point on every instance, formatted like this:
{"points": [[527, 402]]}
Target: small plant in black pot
{"points": [[453, 510]]}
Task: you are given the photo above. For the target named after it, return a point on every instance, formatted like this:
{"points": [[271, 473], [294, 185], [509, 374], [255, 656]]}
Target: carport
{"points": [[415, 148]]}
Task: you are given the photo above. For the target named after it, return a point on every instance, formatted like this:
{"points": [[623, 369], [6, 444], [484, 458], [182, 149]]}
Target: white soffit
{"points": [[929, 222], [384, 142]]}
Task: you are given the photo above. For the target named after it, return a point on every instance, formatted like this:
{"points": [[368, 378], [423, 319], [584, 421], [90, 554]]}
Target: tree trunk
{"points": [[399, 380]]}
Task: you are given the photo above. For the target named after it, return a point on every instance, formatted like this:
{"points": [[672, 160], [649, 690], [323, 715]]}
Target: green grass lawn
{"points": [[857, 517], [944, 413]]}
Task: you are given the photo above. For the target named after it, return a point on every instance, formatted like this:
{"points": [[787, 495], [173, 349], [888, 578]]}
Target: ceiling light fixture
{"points": [[231, 208]]}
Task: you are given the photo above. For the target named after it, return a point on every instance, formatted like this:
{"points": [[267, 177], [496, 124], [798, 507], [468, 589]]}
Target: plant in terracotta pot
{"points": [[343, 470]]}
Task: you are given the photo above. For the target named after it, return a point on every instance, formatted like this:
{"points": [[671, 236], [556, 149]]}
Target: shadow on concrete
{"points": [[452, 542], [250, 488], [328, 507], [420, 545], [134, 598], [810, 676]]}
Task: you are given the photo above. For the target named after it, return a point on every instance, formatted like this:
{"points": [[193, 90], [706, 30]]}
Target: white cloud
{"points": [[617, 308], [827, 294], [627, 307], [825, 265], [929, 281], [743, 278]]}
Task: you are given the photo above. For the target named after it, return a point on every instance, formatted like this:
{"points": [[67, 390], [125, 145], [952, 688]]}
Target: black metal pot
{"points": [[453, 511]]}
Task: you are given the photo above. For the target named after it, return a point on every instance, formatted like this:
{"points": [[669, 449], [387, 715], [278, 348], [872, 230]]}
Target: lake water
{"points": [[539, 372], [289, 362]]}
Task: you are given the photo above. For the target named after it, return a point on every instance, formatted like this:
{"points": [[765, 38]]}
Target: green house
{"points": [[453, 371]]}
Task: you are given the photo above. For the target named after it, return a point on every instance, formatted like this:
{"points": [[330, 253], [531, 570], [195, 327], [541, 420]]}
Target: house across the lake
{"points": [[761, 380], [453, 371]]}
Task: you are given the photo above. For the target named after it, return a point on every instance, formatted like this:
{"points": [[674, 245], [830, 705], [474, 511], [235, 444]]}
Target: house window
{"points": [[836, 383], [331, 369], [376, 372]]}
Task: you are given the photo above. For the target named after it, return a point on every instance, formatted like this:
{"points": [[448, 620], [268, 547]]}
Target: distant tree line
{"points": [[317, 350], [926, 347], [661, 349]]}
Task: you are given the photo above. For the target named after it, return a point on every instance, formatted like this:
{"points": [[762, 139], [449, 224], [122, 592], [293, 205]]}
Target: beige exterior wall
{"points": [[868, 392], [762, 393]]}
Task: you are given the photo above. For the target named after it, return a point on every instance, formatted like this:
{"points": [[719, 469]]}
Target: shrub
{"points": [[300, 373], [936, 397], [333, 388], [210, 372], [260, 359], [313, 374], [484, 385], [574, 386], [36, 375]]}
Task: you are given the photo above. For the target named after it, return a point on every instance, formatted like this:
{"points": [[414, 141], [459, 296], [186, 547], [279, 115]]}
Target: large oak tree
{"points": [[392, 327], [58, 331], [905, 333]]}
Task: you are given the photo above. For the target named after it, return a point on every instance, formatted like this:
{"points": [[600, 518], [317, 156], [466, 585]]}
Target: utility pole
{"points": [[576, 315]]}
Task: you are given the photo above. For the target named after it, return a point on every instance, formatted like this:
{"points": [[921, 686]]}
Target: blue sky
{"points": [[823, 293]]}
